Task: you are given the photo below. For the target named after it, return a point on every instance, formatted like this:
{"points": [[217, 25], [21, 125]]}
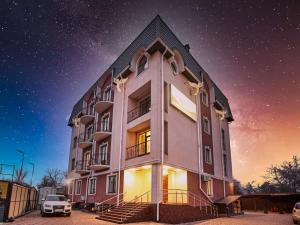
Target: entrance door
{"points": [[165, 188]]}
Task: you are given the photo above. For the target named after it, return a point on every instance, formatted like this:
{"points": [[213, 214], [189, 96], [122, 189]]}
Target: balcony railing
{"points": [[83, 137], [101, 159], [83, 165], [139, 111], [103, 126], [138, 150]]}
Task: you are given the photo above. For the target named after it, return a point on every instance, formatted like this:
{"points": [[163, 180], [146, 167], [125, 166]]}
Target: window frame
{"points": [[89, 186], [210, 190], [75, 142], [86, 132], [206, 102], [76, 187], [104, 96], [210, 155], [107, 184], [106, 152], [108, 120], [208, 125], [173, 64], [146, 66], [70, 188], [73, 164]]}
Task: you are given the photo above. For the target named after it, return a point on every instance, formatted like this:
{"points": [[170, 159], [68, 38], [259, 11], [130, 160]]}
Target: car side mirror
{"points": [[43, 199]]}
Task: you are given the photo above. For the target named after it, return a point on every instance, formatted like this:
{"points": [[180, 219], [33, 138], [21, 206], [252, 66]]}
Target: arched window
{"points": [[142, 64], [174, 67]]}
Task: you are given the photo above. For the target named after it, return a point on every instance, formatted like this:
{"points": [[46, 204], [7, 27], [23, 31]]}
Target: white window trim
{"points": [[212, 188], [104, 91], [76, 187], [107, 183], [206, 99], [86, 131], [101, 119], [210, 152], [174, 72], [89, 183], [208, 125], [101, 145], [146, 65]]}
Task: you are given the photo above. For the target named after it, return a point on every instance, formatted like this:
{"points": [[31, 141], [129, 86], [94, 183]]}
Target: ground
{"points": [[81, 218]]}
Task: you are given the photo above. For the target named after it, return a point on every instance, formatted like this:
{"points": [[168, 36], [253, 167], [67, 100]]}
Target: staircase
{"points": [[136, 210]]}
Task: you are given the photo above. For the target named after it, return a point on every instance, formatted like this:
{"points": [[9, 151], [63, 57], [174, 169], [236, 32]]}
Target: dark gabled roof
{"points": [[157, 29]]}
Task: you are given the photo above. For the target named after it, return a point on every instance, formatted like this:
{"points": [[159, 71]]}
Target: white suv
{"points": [[56, 204], [296, 213]]}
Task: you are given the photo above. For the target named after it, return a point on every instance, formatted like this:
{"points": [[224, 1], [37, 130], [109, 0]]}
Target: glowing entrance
{"points": [[137, 181], [174, 185]]}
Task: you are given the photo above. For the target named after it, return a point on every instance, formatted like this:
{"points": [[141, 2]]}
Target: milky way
{"points": [[52, 51]]}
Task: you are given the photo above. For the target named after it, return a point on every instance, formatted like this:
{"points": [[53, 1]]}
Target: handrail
{"points": [[124, 215], [137, 150], [101, 204], [139, 111]]}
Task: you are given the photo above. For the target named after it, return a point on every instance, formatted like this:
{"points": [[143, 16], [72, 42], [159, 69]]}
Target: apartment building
{"points": [[153, 128]]}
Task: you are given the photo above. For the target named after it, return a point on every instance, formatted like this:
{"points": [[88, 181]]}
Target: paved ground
{"points": [[80, 218]]}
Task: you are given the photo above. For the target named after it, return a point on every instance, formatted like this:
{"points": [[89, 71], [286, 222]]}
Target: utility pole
{"points": [[31, 163]]}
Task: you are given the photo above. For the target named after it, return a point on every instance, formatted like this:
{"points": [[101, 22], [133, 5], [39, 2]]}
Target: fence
{"points": [[16, 200]]}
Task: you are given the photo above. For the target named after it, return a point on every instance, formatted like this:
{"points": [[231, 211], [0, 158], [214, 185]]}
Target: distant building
{"points": [[146, 131]]}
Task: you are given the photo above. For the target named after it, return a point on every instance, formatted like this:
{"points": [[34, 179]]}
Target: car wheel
{"points": [[295, 221], [68, 214], [43, 214]]}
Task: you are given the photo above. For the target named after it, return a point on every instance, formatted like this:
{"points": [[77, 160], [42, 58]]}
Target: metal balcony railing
{"points": [[83, 137], [103, 126], [139, 111], [83, 165], [88, 111], [101, 159], [103, 98], [138, 150]]}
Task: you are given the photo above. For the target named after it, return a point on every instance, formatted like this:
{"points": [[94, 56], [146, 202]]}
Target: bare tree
{"points": [[20, 176], [53, 178]]}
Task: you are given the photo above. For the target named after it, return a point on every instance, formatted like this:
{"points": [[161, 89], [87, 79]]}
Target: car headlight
{"points": [[47, 206], [69, 206]]}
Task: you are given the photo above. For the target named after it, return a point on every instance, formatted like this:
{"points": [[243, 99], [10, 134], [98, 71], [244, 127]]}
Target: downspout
{"points": [[199, 139], [121, 144], [222, 160], [162, 133], [76, 159]]}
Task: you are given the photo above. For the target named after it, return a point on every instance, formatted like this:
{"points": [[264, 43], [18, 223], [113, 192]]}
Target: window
{"points": [[143, 140], [106, 95], [209, 187], [225, 165], [91, 108], [208, 155], [142, 64], [223, 140], [206, 125], [70, 187], [92, 186], [105, 123], [174, 67], [89, 133], [112, 184], [73, 164], [78, 187], [74, 142], [86, 160], [204, 98], [144, 106], [103, 154]]}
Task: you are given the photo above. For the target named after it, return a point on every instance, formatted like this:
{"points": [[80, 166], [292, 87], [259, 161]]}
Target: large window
{"points": [[209, 187], [106, 94], [92, 186], [105, 123], [112, 184], [143, 140], [208, 155], [142, 65], [206, 125], [78, 187], [103, 154]]}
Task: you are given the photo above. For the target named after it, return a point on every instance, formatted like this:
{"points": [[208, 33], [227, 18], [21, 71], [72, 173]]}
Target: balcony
{"points": [[83, 166], [103, 103], [88, 116], [142, 109], [100, 162], [138, 150], [85, 140], [103, 131]]}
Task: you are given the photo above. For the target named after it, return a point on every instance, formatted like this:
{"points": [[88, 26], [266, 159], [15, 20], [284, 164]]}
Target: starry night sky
{"points": [[51, 52]]}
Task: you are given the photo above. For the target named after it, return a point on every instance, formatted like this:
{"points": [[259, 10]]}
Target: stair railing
{"points": [[187, 197], [111, 202], [138, 202]]}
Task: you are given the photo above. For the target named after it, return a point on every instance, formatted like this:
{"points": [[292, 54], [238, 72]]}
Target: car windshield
{"points": [[56, 198], [297, 206]]}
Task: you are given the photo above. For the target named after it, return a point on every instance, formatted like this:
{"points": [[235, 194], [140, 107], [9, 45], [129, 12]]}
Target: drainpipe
{"points": [[121, 144], [162, 132], [222, 160], [76, 158], [199, 138]]}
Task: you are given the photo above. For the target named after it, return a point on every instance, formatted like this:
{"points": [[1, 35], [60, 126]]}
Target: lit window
{"points": [[206, 125], [142, 64], [78, 187], [92, 186], [208, 155], [209, 184], [205, 98], [111, 184]]}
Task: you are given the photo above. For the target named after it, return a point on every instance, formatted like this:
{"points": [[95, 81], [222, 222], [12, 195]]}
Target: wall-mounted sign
{"points": [[183, 103]]}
